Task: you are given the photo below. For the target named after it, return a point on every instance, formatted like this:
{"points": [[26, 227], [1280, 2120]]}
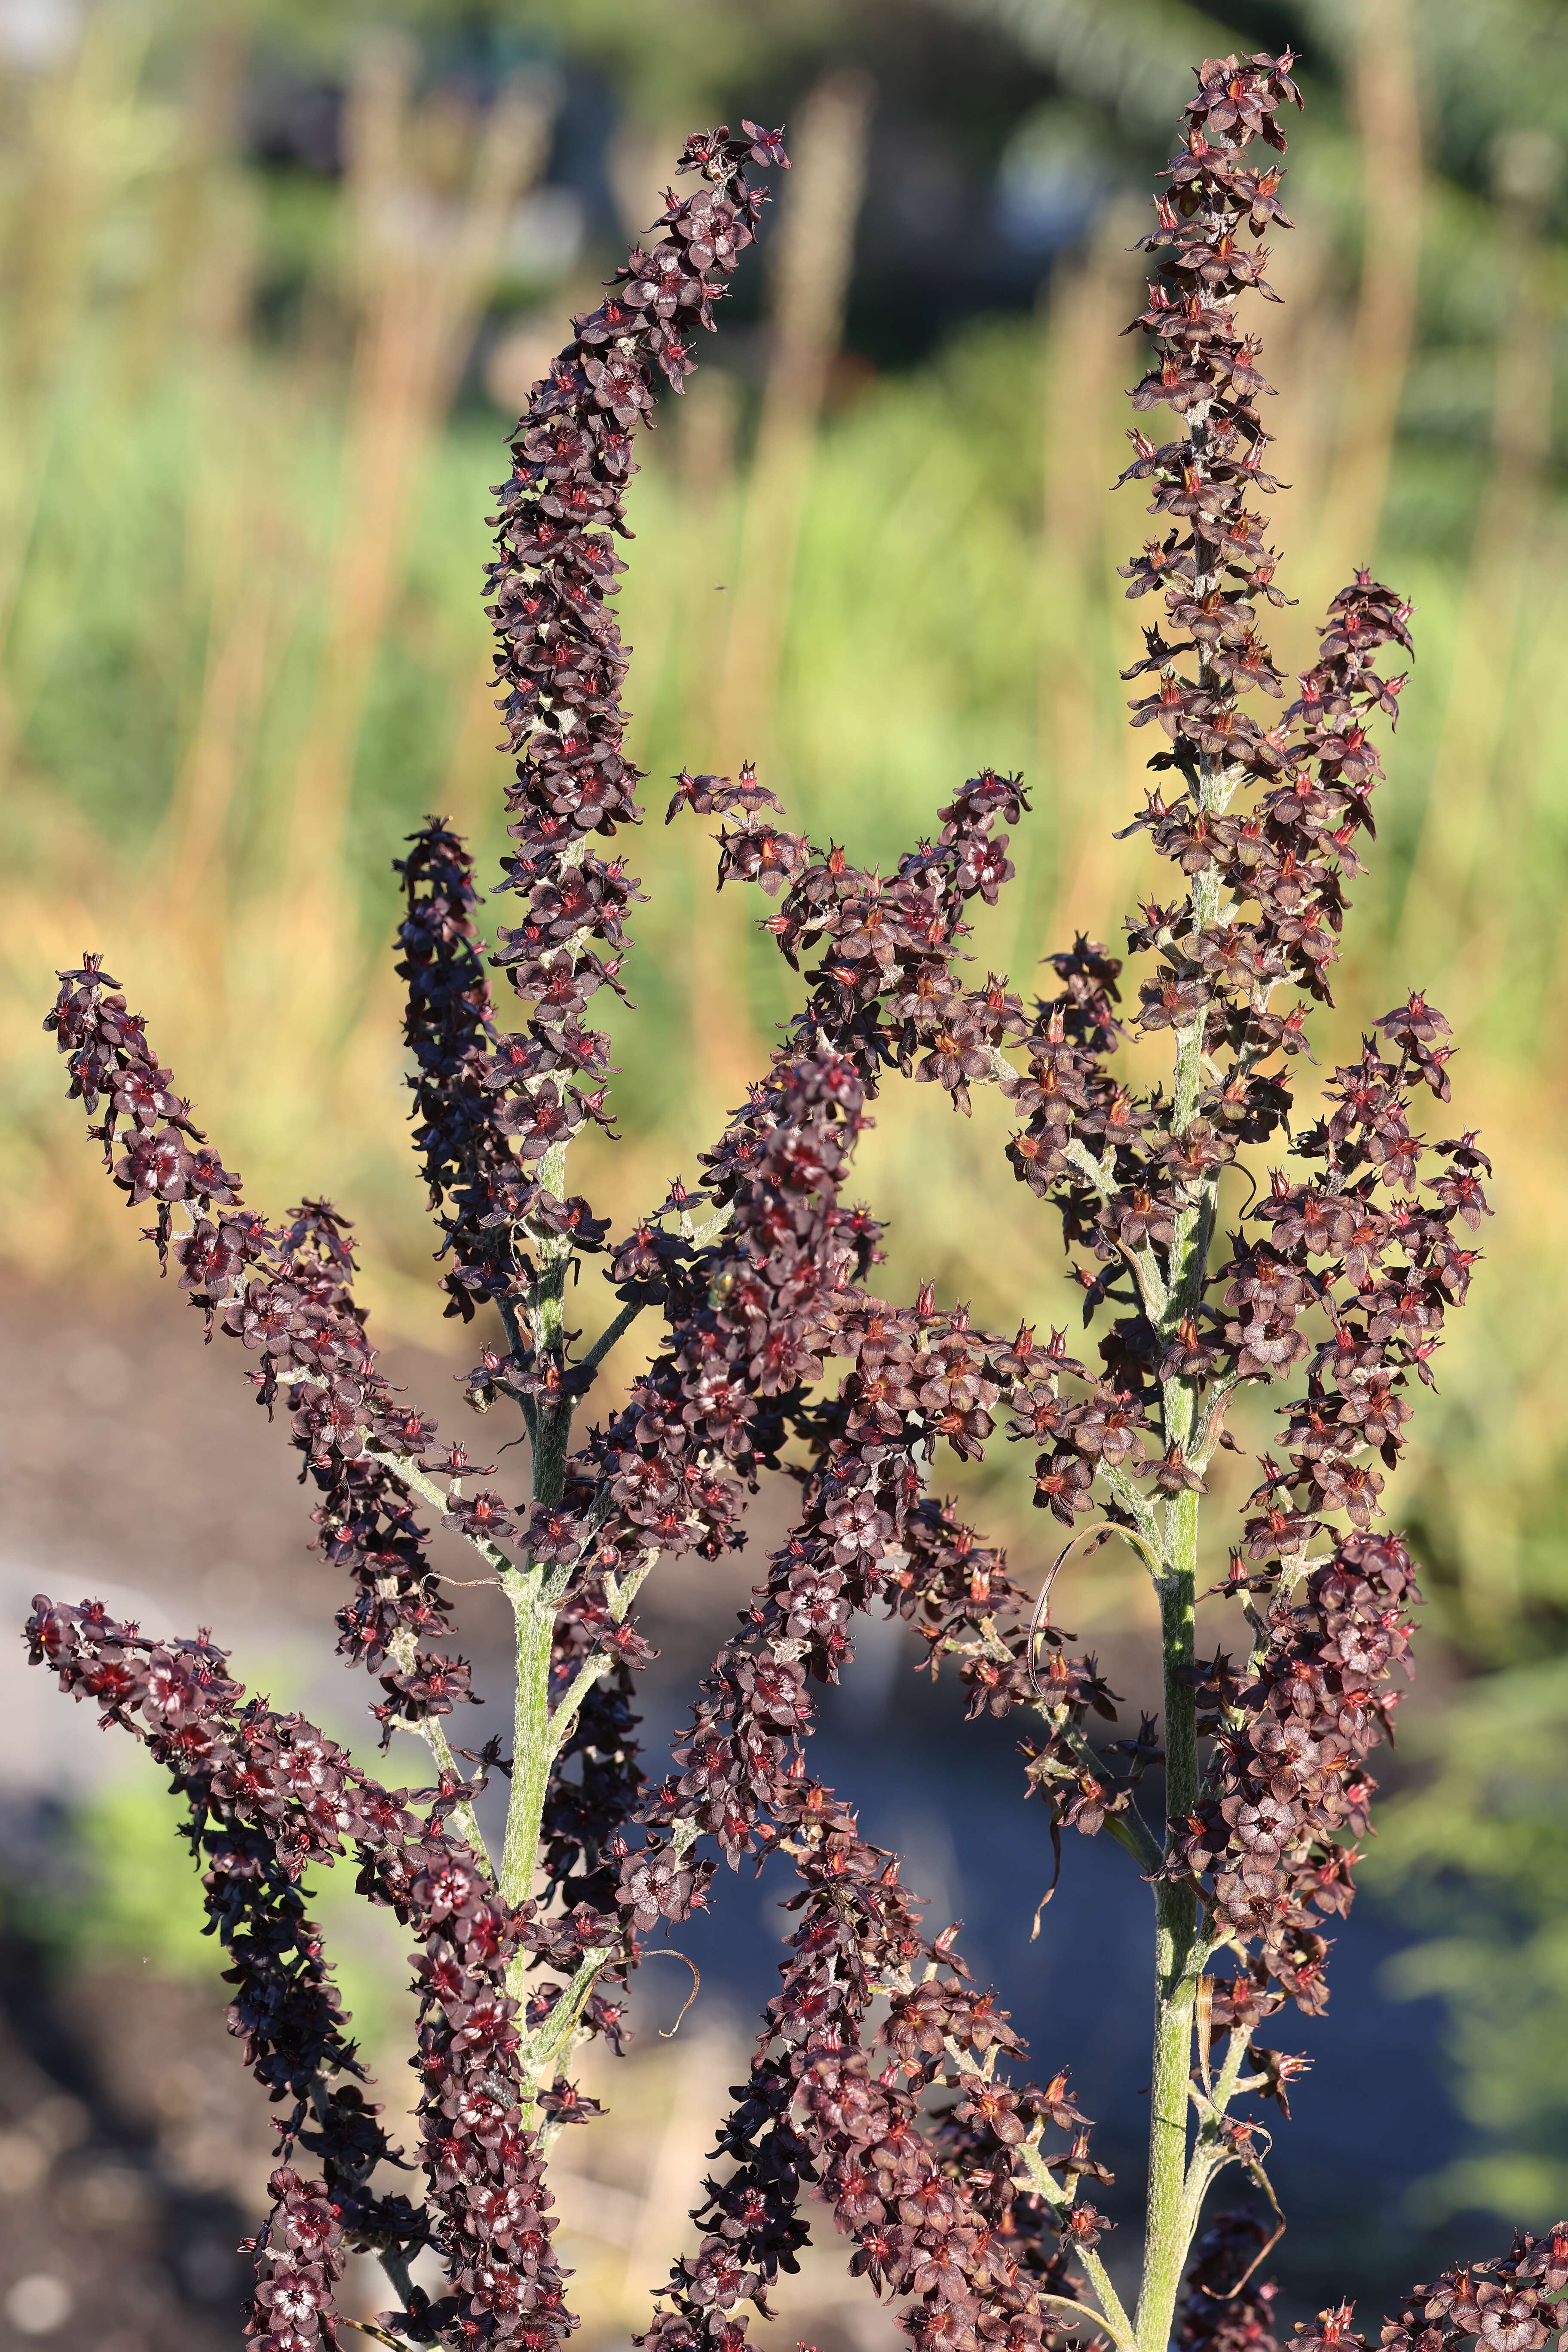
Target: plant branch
{"points": [[608, 1337], [564, 1714], [368, 2327], [394, 2263], [435, 1737], [1145, 1271], [1100, 2323], [519, 1348], [1138, 1507], [1116, 2314], [1206, 1432], [621, 1591], [1130, 1830], [408, 1473], [1112, 2316]]}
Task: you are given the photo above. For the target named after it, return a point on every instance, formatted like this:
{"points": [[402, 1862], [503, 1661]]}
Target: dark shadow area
{"points": [[106, 2244]]}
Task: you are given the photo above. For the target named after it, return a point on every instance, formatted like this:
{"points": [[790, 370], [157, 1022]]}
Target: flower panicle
{"points": [[285, 1294], [273, 1792], [560, 668]]}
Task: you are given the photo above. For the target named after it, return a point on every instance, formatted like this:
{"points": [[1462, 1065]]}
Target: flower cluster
{"points": [[923, 2215], [752, 1315], [460, 1064], [1515, 2303], [298, 2256], [559, 669], [1366, 1240], [1223, 2309], [268, 1795], [753, 1311], [939, 2219], [1132, 1175], [1290, 1785], [284, 1293]]}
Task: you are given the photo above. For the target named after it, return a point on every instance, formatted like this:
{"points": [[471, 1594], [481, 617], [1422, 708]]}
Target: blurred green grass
{"points": [[242, 653]]}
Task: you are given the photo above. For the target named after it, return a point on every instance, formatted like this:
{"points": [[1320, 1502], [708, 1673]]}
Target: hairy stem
{"points": [[608, 1339], [1168, 2229], [1169, 2224], [534, 1609], [433, 1733], [1111, 2318], [533, 1600], [1100, 2324], [1172, 2210]]}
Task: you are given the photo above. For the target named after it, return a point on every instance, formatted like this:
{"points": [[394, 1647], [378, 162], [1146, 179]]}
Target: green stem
{"points": [[1109, 2302], [1168, 2233], [1170, 2222], [1130, 1828], [1140, 1511], [564, 1714], [532, 1606], [544, 2045], [608, 1337], [538, 1730], [534, 1754], [1140, 1261], [1167, 2230], [1111, 2318], [463, 1813], [533, 1746], [534, 1598], [1100, 2324]]}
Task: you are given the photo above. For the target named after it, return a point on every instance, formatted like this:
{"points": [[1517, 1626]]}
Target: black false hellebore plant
{"points": [[879, 2080]]}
